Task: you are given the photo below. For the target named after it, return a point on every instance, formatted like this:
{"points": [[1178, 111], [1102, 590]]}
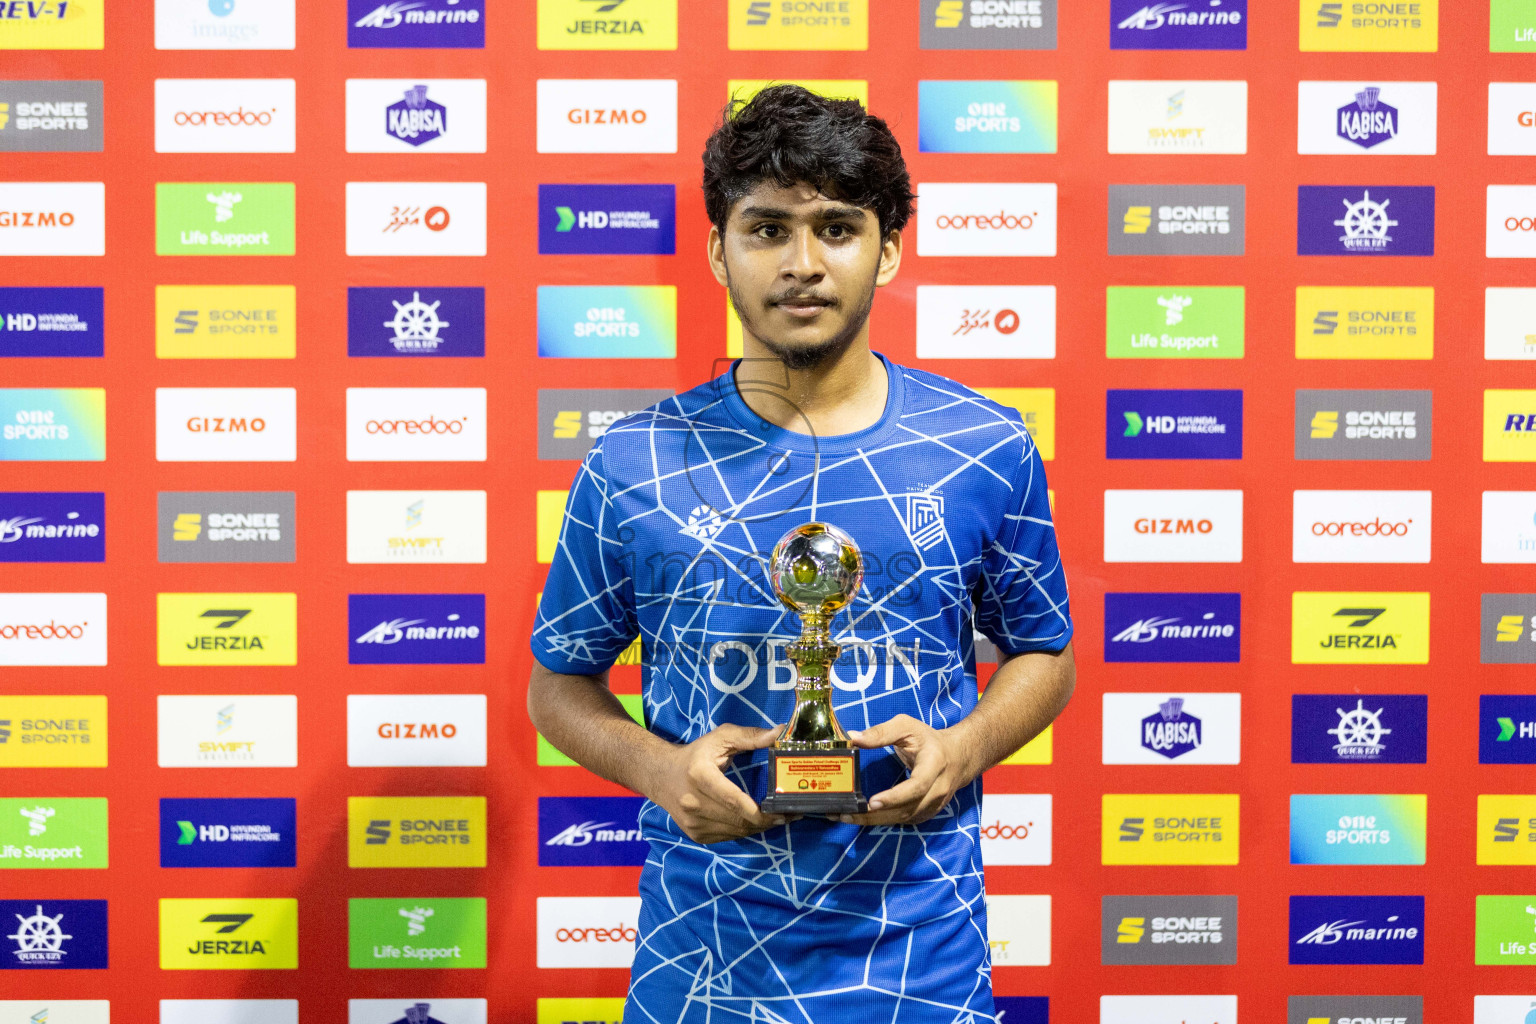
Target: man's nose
{"points": [[802, 257]]}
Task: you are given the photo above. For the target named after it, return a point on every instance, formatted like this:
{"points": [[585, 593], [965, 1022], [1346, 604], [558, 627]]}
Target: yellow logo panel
{"points": [[548, 517], [53, 25], [1506, 829], [586, 1011], [1170, 828], [1509, 426], [227, 629], [1038, 407], [416, 831], [235, 321], [53, 732], [798, 25], [1359, 628], [229, 935], [1377, 26], [833, 88], [630, 25], [1365, 323], [1036, 751]]}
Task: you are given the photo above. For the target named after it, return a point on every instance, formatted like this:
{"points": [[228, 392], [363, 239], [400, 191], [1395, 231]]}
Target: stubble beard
{"points": [[811, 356]]}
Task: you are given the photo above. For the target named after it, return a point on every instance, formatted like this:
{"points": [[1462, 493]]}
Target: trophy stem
{"points": [[813, 725]]}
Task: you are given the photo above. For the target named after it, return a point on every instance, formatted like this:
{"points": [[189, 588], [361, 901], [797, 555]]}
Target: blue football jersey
{"points": [[667, 532]]}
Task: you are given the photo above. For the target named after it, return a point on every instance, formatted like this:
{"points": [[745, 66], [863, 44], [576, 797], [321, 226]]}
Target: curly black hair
{"points": [[788, 134]]}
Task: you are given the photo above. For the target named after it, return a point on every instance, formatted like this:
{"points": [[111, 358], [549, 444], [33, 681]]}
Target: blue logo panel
{"points": [[51, 322], [1173, 627], [416, 629], [1357, 930], [45, 935], [588, 831], [419, 24], [1022, 1009], [607, 321], [1506, 729], [623, 219], [1353, 728], [1365, 220], [1173, 424], [415, 322], [1189, 25], [228, 833], [62, 526]]}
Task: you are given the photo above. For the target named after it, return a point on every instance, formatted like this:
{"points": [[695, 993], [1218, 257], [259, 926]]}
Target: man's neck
{"points": [[843, 394]]}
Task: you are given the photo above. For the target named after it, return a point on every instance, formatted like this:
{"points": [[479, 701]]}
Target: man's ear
{"points": [[716, 250], [890, 257]]}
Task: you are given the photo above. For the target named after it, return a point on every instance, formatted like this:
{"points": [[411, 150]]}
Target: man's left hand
{"points": [[933, 759]]}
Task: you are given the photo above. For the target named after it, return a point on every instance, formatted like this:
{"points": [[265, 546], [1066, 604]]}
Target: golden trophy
{"points": [[816, 570]]}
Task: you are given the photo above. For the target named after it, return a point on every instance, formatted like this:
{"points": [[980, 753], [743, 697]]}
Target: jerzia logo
{"points": [[228, 934], [1359, 628]]}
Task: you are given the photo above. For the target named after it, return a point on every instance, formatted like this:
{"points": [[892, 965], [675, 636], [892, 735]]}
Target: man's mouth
{"points": [[803, 305]]}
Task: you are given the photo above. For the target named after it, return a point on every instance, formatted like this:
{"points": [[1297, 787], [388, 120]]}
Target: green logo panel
{"points": [[400, 934], [242, 218], [53, 832], [1512, 26], [1506, 930], [1173, 322]]}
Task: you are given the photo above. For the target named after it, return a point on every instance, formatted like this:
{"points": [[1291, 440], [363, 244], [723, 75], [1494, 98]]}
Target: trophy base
{"points": [[816, 782]]}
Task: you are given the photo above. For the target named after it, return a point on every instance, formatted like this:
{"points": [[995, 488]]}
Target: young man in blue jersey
{"points": [[753, 917]]}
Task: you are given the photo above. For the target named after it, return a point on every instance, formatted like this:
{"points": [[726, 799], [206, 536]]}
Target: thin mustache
{"points": [[777, 300]]}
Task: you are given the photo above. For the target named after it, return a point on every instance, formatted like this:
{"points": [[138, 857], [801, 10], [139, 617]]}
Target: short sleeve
{"points": [[586, 617], [1021, 597]]}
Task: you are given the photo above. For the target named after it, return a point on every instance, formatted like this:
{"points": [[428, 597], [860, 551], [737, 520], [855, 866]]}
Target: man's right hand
{"points": [[692, 787]]}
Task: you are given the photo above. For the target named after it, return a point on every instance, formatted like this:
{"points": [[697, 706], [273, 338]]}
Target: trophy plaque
{"points": [[812, 767]]}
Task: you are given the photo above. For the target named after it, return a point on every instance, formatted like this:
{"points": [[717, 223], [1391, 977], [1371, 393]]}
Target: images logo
{"points": [[416, 832], [228, 833], [1172, 627], [54, 934], [1364, 425], [1360, 526], [53, 629], [224, 25], [50, 117], [1163, 728], [416, 218], [53, 832], [1359, 628], [1171, 220], [416, 629], [1506, 930], [798, 25], [1178, 117], [38, 526], [1016, 828], [607, 322], [416, 526], [1508, 533], [1508, 632], [987, 219], [607, 115], [53, 732], [1169, 828], [1188, 25], [987, 116], [1140, 323], [1357, 930], [416, 24], [415, 322], [1173, 526], [402, 115], [229, 934], [1335, 26], [986, 322], [571, 419], [582, 219], [1168, 930], [225, 321], [228, 732], [1365, 323], [224, 219], [416, 933], [1350, 220], [607, 24], [590, 830], [1173, 424], [987, 25], [1358, 828], [1355, 729]]}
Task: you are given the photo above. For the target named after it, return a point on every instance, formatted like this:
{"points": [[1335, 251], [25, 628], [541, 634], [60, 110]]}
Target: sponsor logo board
{"points": [[1360, 526], [54, 935], [243, 731], [1168, 930], [1353, 728], [53, 732], [407, 115], [53, 218], [1173, 526], [1169, 828], [416, 629], [1172, 627], [1506, 829], [415, 730], [414, 322], [987, 219]]}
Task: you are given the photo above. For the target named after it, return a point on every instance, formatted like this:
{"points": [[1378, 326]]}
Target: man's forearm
{"points": [[586, 722], [1024, 695]]}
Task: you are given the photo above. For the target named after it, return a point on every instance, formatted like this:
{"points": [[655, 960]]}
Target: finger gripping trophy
{"points": [[816, 570]]}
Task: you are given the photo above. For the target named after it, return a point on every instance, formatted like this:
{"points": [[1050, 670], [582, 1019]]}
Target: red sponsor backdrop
{"points": [[511, 369]]}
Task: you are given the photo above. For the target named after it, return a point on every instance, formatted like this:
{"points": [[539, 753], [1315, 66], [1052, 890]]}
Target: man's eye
{"points": [[768, 230], [837, 230]]}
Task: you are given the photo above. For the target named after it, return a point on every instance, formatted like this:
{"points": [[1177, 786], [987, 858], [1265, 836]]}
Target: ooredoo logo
{"points": [[53, 629], [607, 115], [1512, 221], [1361, 526], [225, 115], [1008, 219], [416, 425], [1173, 526], [226, 424], [587, 931], [1016, 828]]}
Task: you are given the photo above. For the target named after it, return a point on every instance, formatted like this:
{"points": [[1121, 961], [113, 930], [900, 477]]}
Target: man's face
{"points": [[802, 269]]}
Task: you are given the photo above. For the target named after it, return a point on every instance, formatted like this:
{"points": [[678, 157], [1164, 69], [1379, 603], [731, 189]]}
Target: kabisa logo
{"points": [[53, 732], [988, 25], [1372, 118], [1169, 828], [1357, 929], [583, 219], [227, 629], [416, 832], [1180, 25], [1172, 627], [1375, 220], [421, 321], [416, 629], [1172, 728], [607, 322], [416, 24], [415, 120], [571, 419], [420, 1011], [1508, 632], [228, 833], [607, 24], [1168, 220], [1506, 829], [54, 832], [1173, 424], [37, 526], [1368, 121], [51, 322], [1358, 828], [1355, 729], [226, 526], [1506, 930], [54, 934], [1506, 727], [50, 117], [1168, 930], [1364, 1010], [1360, 628], [1364, 425], [416, 933], [798, 25], [229, 934], [1170, 733], [987, 116], [590, 830]]}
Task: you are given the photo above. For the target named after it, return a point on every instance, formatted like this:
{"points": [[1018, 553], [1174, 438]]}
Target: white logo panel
{"points": [[986, 322], [1509, 527], [415, 115], [246, 731], [415, 731], [226, 25], [1360, 526], [55, 1011], [1511, 221], [1016, 828], [1167, 1009], [1173, 526], [416, 424], [1178, 117], [224, 115], [416, 527], [1512, 118], [587, 931], [1173, 728], [53, 218], [1509, 323], [53, 629], [1367, 118], [415, 218], [607, 115], [226, 424], [986, 219], [1019, 930]]}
